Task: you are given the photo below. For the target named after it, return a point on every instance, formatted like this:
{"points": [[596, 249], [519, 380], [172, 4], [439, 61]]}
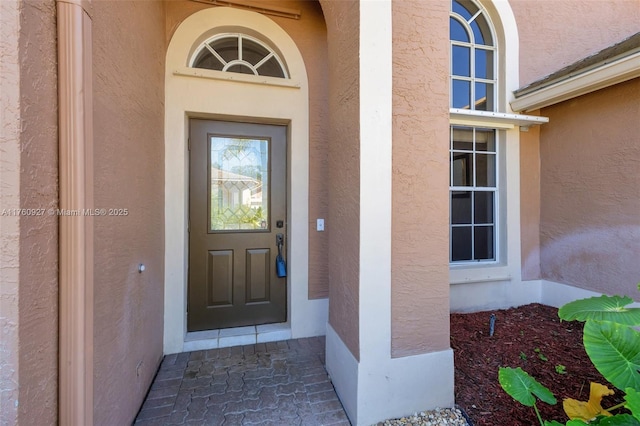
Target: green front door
{"points": [[237, 211]]}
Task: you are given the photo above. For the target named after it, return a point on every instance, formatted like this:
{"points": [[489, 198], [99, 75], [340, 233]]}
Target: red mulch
{"points": [[518, 333]]}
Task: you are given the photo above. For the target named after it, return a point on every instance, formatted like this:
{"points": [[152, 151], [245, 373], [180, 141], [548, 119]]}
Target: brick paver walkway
{"points": [[279, 383]]}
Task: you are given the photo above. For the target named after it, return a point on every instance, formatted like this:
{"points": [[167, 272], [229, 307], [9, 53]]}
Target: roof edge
{"points": [[610, 66]]}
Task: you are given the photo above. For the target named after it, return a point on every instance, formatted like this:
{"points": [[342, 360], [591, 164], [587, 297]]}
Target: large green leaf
{"points": [[614, 350], [633, 402], [617, 420], [569, 423], [602, 308], [522, 387]]}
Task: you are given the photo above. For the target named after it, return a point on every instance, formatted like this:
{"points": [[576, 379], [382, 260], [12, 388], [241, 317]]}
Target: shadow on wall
{"points": [[606, 260]]}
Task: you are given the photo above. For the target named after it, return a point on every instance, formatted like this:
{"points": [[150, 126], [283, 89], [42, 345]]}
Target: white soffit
{"points": [[600, 77], [495, 120]]}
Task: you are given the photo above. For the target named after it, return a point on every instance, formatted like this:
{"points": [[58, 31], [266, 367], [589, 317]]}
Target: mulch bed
{"points": [[531, 337]]}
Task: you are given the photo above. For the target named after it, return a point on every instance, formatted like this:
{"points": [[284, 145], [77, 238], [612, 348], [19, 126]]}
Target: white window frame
{"points": [[493, 276], [473, 119], [497, 199], [472, 46], [206, 45]]}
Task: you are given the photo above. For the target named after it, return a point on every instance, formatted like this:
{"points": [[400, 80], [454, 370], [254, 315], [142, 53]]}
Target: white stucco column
{"points": [[377, 386], [76, 232]]}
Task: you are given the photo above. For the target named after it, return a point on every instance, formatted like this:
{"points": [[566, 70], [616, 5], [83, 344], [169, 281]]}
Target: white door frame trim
{"points": [[188, 97]]}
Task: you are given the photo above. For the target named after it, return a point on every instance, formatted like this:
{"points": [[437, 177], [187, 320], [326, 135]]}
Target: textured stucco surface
{"points": [[310, 35], [9, 198], [590, 191], [530, 202], [28, 176], [343, 19], [571, 31], [128, 67], [420, 237], [38, 235], [556, 33]]}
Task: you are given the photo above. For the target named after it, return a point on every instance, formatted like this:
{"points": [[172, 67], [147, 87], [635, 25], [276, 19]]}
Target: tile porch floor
{"points": [[277, 383]]}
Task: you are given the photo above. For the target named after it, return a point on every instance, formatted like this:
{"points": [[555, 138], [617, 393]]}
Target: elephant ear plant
{"points": [[612, 342]]}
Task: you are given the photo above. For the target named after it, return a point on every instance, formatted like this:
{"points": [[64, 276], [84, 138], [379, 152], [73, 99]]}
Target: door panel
{"points": [[220, 278], [258, 275], [237, 200]]}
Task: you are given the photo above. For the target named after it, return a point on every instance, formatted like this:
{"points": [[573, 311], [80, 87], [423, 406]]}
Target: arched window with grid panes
{"points": [[474, 186], [239, 53]]}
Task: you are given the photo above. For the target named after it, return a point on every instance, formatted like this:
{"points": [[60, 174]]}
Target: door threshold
{"points": [[226, 337]]}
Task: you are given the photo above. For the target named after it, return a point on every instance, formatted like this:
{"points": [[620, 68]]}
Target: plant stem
{"points": [[538, 414], [615, 407]]}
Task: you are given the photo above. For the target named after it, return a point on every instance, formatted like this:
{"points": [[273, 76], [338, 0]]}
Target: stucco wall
{"points": [[9, 198], [556, 33], [530, 202], [38, 235], [343, 19], [553, 35], [590, 191], [420, 237], [310, 35], [128, 66], [28, 172]]}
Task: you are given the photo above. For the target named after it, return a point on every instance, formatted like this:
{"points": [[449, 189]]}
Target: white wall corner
{"points": [[490, 295], [403, 386], [342, 367], [503, 294], [382, 389], [309, 318], [556, 294]]}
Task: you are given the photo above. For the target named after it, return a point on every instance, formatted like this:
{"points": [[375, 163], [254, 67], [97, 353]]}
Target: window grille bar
{"points": [[263, 60], [214, 53]]}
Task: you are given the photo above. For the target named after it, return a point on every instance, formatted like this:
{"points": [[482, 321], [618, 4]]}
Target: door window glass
{"points": [[239, 184]]}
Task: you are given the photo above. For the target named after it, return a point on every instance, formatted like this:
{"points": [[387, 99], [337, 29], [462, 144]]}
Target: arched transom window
{"points": [[238, 53], [472, 58]]}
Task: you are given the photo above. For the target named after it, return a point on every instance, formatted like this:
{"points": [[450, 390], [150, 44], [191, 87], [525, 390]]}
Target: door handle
{"points": [[281, 265]]}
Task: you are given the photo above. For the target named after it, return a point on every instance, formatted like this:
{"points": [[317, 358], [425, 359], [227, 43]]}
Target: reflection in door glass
{"points": [[239, 177]]}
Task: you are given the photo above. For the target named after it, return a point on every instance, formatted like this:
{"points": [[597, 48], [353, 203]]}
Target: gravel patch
{"points": [[437, 417]]}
